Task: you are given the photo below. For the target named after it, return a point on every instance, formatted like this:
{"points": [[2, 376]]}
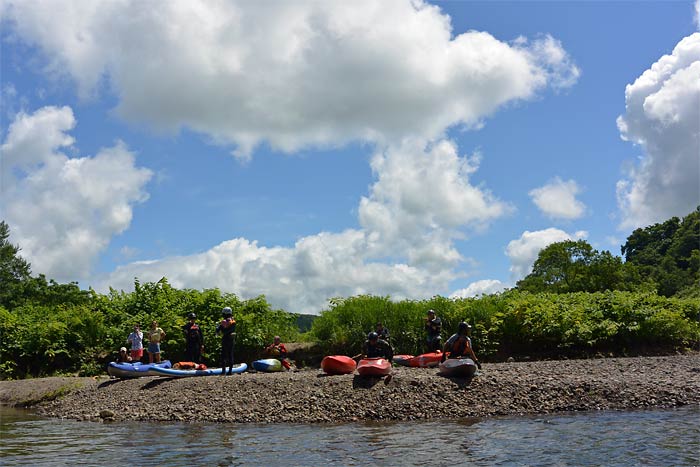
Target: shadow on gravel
{"points": [[365, 382], [109, 383], [156, 382], [462, 381]]}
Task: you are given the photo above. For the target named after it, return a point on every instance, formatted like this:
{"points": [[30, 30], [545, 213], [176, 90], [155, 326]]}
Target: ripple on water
{"points": [[654, 437]]}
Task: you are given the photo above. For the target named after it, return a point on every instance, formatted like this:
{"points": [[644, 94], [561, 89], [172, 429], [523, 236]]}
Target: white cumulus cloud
{"points": [[524, 250], [63, 210], [557, 199], [663, 118], [486, 286], [292, 74]]}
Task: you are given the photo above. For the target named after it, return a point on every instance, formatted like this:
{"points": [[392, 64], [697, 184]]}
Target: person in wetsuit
{"points": [[375, 347], [194, 339], [433, 327], [459, 345], [227, 328]]}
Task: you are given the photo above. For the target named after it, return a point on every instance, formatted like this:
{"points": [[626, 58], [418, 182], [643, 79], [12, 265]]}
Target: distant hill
{"points": [[304, 322]]}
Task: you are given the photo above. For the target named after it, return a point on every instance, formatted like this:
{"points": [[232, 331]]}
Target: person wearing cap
{"points": [[135, 340], [459, 345], [433, 327], [194, 339], [227, 328], [123, 356], [375, 347]]}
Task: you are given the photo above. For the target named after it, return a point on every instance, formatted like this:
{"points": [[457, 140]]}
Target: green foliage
{"points": [[668, 254], [520, 323]]}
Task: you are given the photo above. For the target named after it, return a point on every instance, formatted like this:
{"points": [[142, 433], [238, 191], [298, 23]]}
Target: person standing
{"points": [[433, 327], [382, 331], [155, 337], [227, 328], [194, 339], [135, 340]]}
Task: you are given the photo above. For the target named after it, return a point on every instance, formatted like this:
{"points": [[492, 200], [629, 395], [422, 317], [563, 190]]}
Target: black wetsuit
{"points": [[380, 349], [194, 342], [227, 329]]}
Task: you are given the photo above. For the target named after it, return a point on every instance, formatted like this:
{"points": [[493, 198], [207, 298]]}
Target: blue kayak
{"points": [[135, 370], [176, 373], [268, 365]]}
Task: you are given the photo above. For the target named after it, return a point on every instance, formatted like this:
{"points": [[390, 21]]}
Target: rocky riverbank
{"points": [[308, 396]]}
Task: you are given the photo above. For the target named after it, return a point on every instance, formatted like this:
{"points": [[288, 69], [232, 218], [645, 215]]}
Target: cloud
{"points": [[524, 251], [290, 74], [63, 211], [663, 118], [557, 199], [404, 248], [486, 286]]}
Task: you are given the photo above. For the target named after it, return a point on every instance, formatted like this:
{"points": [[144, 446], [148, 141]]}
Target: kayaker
{"points": [[194, 339], [382, 332], [135, 340], [123, 356], [227, 328], [459, 345], [433, 327], [375, 347], [279, 351], [155, 336]]}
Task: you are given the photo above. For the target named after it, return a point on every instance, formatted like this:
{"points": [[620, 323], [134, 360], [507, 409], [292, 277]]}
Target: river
{"points": [[648, 438]]}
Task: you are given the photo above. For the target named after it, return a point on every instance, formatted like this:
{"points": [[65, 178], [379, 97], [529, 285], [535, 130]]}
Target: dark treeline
{"points": [[576, 301]]}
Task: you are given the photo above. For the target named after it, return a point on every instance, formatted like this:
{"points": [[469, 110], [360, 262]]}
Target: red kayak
{"points": [[427, 360], [458, 367], [403, 360], [374, 367], [338, 365]]}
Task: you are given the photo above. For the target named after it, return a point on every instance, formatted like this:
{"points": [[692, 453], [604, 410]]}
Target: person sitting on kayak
{"points": [[279, 351], [375, 347], [123, 357], [194, 339], [227, 328], [382, 332], [459, 345], [433, 327]]}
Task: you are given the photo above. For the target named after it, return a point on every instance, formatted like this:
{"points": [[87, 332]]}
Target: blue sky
{"points": [[305, 151]]}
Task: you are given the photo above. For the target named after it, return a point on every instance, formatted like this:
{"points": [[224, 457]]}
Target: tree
{"points": [[14, 270], [575, 266], [667, 253]]}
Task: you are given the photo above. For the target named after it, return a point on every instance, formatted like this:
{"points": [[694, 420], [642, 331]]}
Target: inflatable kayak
{"points": [[175, 373], [338, 365], [374, 367], [458, 367], [427, 360], [135, 370], [403, 360], [268, 365]]}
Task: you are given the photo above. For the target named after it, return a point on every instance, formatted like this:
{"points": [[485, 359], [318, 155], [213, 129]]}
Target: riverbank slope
{"points": [[308, 396]]}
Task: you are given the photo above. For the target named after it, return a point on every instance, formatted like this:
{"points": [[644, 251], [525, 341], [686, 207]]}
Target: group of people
{"points": [[154, 336], [459, 345]]}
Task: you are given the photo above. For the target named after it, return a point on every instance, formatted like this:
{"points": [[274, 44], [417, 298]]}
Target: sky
{"points": [[311, 150]]}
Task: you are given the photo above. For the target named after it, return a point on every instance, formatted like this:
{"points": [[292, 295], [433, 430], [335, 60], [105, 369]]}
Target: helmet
{"points": [[227, 311], [431, 311], [372, 336], [464, 326], [191, 316], [123, 349]]}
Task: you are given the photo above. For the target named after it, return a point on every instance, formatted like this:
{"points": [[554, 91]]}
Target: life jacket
{"points": [[459, 347], [193, 333], [227, 323]]}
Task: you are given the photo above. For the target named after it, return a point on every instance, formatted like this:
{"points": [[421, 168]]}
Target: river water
{"points": [[649, 438]]}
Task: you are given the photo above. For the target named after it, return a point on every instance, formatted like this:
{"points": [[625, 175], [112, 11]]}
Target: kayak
{"points": [[175, 373], [403, 360], [374, 367], [458, 367], [268, 365], [135, 370], [338, 365], [427, 360]]}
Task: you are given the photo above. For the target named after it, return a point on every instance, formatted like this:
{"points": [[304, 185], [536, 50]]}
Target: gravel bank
{"points": [[308, 396]]}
